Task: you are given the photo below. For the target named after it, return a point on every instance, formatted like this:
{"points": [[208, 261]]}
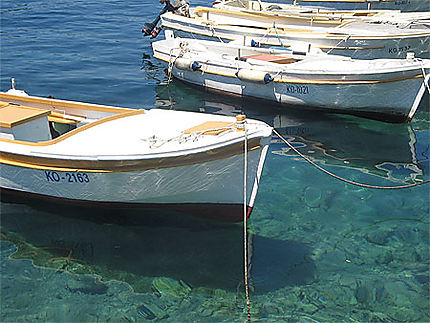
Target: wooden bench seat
{"points": [[273, 58], [13, 115]]}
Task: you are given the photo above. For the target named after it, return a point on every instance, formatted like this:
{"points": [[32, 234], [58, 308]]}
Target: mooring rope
{"points": [[245, 230], [424, 74], [340, 41], [170, 68], [276, 32], [341, 178]]}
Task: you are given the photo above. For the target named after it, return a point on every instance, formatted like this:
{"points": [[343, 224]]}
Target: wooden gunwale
{"points": [[73, 132]]}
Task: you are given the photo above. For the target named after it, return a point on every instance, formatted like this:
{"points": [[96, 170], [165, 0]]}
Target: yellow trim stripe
{"points": [[350, 47], [264, 14], [347, 1], [280, 28], [62, 120], [60, 169], [63, 103], [107, 166], [349, 82]]}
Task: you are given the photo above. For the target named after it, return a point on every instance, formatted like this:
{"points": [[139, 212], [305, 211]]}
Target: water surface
{"points": [[321, 249]]}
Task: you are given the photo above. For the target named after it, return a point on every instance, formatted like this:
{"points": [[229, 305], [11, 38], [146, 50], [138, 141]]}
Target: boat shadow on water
{"points": [[136, 247]]}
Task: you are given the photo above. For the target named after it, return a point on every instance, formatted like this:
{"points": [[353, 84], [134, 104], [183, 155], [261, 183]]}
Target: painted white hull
{"points": [[142, 159], [375, 42], [397, 102], [391, 94], [403, 5], [215, 183]]}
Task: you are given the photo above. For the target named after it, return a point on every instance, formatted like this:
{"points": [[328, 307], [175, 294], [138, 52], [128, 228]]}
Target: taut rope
{"points": [[344, 179], [245, 231]]}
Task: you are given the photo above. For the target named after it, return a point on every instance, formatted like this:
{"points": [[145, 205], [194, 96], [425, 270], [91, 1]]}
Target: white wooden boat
{"points": [[364, 38], [387, 89], [115, 157], [296, 15], [403, 5]]}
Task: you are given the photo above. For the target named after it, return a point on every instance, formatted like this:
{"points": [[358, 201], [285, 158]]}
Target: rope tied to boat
{"points": [[276, 32], [340, 41], [341, 178], [157, 142], [426, 84], [183, 48], [245, 213]]}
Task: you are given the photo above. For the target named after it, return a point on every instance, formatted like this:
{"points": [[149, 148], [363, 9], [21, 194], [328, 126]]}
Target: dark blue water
{"points": [[321, 250]]}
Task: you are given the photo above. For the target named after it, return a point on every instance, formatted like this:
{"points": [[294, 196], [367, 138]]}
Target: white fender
{"points": [[254, 76], [187, 64]]}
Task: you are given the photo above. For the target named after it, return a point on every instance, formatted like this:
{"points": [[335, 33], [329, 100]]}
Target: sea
{"points": [[320, 249]]}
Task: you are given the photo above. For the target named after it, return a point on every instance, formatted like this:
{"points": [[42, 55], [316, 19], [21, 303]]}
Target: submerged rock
{"points": [[145, 312], [87, 285], [312, 196], [170, 286], [370, 293], [379, 237]]}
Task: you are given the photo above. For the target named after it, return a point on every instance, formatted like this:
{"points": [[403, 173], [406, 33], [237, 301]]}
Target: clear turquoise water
{"points": [[322, 250]]}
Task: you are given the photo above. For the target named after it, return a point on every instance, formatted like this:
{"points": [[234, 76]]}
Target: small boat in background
{"points": [[361, 35], [296, 15], [385, 89], [403, 5], [96, 155]]}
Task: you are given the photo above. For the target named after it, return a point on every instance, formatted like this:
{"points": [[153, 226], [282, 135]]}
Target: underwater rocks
{"points": [[86, 285], [170, 287], [312, 196]]}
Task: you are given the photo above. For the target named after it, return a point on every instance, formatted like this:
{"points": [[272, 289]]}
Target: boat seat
{"points": [[24, 123], [210, 128], [12, 115], [273, 58], [61, 118]]}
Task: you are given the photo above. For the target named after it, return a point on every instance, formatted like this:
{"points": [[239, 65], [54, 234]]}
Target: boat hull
{"points": [[212, 189], [346, 42], [389, 101], [223, 212], [403, 5]]}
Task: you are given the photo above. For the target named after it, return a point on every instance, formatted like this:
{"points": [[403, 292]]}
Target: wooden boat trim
{"points": [[121, 165], [317, 46], [353, 1], [61, 120], [319, 20], [281, 29], [330, 34], [11, 162], [403, 36], [350, 47], [15, 115], [64, 103], [278, 80], [128, 113]]}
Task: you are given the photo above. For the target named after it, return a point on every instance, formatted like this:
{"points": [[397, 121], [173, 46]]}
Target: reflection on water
{"points": [[399, 152], [139, 246]]}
